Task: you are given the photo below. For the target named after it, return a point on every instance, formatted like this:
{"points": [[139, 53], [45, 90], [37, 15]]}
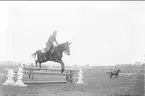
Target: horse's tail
{"points": [[34, 54], [108, 72]]}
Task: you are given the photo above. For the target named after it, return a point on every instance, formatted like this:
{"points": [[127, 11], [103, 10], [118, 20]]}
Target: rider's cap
{"points": [[54, 32]]}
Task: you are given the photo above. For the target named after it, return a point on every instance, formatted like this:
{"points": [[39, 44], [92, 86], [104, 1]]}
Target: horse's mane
{"points": [[62, 44]]}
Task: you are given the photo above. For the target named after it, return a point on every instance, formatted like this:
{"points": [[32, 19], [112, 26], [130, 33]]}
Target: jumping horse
{"points": [[55, 56]]}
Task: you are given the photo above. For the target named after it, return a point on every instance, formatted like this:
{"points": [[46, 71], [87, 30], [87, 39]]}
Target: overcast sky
{"points": [[102, 33]]}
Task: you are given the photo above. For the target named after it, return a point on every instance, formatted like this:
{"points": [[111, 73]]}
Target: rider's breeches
{"points": [[48, 46]]}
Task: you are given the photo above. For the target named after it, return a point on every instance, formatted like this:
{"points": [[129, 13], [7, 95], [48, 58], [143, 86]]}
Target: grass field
{"points": [[96, 79]]}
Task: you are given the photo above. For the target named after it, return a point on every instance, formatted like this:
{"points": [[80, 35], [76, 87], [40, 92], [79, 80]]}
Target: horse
{"points": [[56, 56], [115, 73]]}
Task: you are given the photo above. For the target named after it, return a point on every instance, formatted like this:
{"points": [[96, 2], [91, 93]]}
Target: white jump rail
{"points": [[43, 82]]}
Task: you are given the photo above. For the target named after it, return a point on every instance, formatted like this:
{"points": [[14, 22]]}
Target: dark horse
{"points": [[56, 56], [115, 73]]}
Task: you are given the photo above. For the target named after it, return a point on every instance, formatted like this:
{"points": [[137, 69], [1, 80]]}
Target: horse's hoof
{"points": [[62, 70]]}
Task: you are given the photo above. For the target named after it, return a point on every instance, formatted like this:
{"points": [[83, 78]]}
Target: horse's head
{"points": [[66, 47], [118, 70]]}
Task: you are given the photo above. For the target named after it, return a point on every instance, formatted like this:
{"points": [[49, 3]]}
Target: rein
{"points": [[61, 49]]}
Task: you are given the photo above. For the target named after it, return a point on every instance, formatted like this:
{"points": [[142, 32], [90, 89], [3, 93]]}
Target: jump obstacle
{"points": [[31, 71]]}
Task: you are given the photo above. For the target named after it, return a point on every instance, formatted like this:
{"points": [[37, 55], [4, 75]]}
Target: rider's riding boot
{"points": [[51, 51], [45, 58]]}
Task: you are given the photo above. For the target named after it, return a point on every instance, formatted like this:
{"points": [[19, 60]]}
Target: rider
{"points": [[50, 44]]}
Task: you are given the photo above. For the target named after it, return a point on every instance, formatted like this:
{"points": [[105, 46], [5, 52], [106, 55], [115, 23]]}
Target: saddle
{"points": [[44, 51], [50, 51]]}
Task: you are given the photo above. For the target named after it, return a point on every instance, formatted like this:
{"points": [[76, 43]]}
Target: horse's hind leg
{"points": [[36, 62], [40, 65]]}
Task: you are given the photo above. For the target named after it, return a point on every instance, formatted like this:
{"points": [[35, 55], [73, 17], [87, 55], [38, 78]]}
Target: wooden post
{"points": [[31, 64], [71, 76], [32, 77], [31, 73], [67, 78]]}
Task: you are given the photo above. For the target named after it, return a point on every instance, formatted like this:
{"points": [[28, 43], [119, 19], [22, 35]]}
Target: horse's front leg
{"points": [[39, 64], [117, 76], [110, 76], [62, 65]]}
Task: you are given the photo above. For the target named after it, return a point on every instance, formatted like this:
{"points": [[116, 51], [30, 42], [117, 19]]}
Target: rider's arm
{"points": [[56, 41]]}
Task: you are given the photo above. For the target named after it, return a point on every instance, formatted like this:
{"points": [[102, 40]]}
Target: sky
{"points": [[100, 32]]}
